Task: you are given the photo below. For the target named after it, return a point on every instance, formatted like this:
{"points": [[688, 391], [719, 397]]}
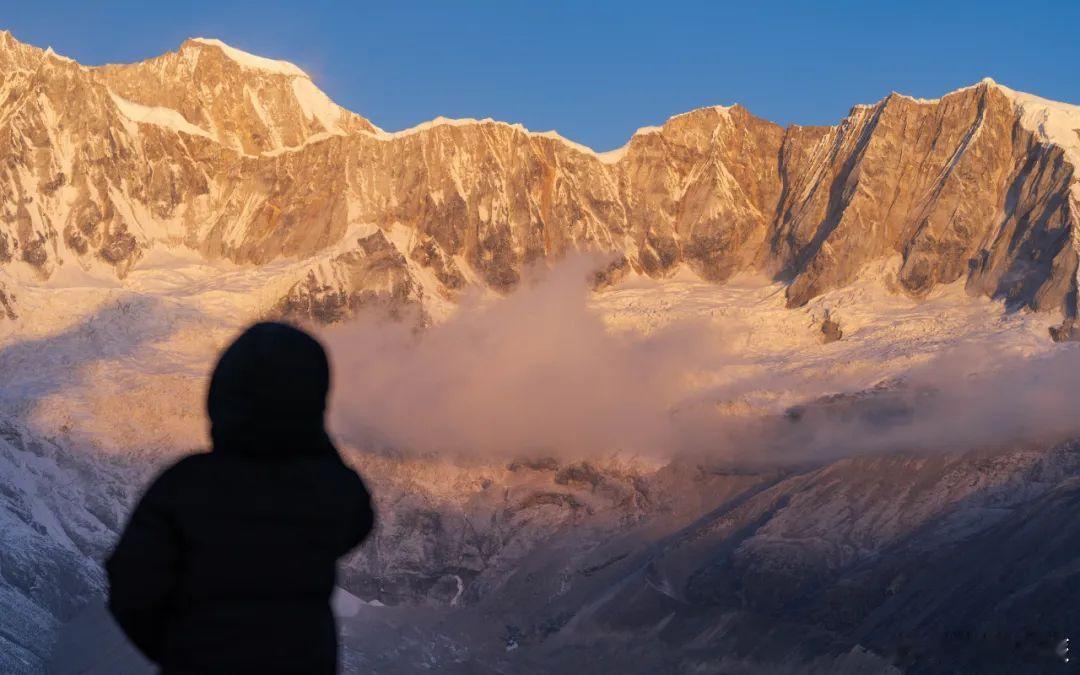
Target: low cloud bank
{"points": [[538, 372]]}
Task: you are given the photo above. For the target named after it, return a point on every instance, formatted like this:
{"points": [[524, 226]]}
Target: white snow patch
{"points": [[920, 101], [613, 156], [317, 105], [264, 116], [59, 57], [158, 116], [310, 140], [460, 590], [555, 136], [884, 333], [439, 122], [723, 110], [1052, 122], [607, 157], [344, 604], [252, 61], [930, 101]]}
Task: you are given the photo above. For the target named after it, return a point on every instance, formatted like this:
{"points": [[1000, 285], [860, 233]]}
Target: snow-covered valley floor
{"points": [[122, 364], [104, 383]]}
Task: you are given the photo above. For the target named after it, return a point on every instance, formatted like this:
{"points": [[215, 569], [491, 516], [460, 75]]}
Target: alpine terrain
{"points": [[731, 398]]}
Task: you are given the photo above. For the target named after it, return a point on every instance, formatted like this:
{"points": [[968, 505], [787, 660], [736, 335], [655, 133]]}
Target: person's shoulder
{"points": [[193, 461], [342, 465], [353, 482], [344, 475], [185, 466], [172, 480]]}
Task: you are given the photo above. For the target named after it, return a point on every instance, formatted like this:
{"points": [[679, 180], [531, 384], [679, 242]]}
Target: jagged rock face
{"points": [[696, 566], [375, 272], [242, 158], [458, 543], [958, 188], [7, 304], [56, 524], [882, 556], [252, 105]]}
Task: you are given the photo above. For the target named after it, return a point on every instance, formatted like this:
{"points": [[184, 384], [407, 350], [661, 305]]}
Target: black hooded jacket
{"points": [[229, 560]]}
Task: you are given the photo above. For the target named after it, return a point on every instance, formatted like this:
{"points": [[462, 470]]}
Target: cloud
{"points": [[538, 372]]}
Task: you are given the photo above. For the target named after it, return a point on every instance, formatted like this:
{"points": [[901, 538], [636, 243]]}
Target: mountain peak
{"points": [[16, 55], [246, 59]]}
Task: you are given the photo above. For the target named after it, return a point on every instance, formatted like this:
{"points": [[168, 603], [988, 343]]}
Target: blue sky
{"points": [[596, 71]]}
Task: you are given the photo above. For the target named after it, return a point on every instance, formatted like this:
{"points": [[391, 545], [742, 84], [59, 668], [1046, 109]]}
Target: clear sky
{"points": [[596, 71]]}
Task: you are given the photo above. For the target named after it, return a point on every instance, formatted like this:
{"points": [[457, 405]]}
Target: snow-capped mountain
{"points": [[792, 280], [242, 158]]}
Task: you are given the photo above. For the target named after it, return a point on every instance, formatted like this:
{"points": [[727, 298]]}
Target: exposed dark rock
{"points": [[560, 499], [7, 303], [119, 246], [581, 473], [34, 252], [1066, 332], [53, 184], [429, 254], [830, 329], [538, 464], [611, 274]]}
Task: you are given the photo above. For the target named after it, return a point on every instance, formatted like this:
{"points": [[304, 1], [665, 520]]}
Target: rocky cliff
{"points": [[242, 158]]}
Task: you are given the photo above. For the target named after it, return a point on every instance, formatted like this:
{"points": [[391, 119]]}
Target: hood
{"points": [[268, 394]]}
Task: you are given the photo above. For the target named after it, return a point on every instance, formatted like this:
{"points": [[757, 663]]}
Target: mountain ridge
{"points": [[242, 158], [148, 211], [288, 69]]}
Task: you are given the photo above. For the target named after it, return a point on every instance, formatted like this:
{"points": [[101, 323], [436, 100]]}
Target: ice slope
{"points": [[249, 60], [61, 507]]}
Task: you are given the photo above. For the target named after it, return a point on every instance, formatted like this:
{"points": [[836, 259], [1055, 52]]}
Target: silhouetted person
{"points": [[229, 559]]}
